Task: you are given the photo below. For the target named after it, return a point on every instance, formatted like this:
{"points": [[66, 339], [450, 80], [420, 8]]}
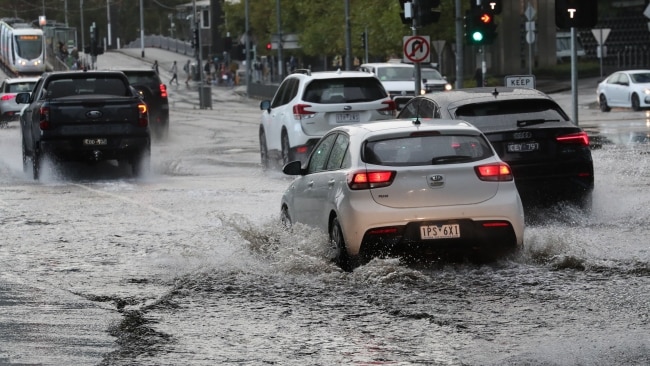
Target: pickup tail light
{"points": [[143, 115], [499, 172], [368, 179], [44, 118], [300, 112], [580, 138]]}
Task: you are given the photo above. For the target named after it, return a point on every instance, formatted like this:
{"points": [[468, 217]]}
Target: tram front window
{"points": [[29, 46]]}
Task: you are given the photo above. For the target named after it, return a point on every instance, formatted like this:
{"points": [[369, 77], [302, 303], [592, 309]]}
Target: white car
{"points": [[9, 109], [307, 105], [434, 81], [398, 79], [628, 88], [406, 187]]}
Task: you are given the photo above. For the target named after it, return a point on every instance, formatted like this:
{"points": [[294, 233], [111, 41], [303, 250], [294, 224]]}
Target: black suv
{"points": [[149, 85]]}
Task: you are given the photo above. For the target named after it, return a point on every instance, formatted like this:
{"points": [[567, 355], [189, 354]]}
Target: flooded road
{"points": [[189, 266]]}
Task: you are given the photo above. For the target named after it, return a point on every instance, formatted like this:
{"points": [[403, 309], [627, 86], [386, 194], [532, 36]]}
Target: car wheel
{"points": [[141, 163], [264, 152], [25, 158], [585, 202], [337, 242], [285, 219], [636, 104], [603, 104], [287, 157], [37, 164]]}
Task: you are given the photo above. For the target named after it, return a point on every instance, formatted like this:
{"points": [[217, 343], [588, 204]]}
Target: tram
{"points": [[22, 47]]}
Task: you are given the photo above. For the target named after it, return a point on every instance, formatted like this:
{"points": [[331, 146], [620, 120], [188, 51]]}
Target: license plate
{"points": [[439, 231], [523, 147], [347, 117], [95, 142]]}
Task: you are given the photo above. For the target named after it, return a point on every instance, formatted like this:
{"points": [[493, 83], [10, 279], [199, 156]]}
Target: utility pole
{"points": [[280, 62]]}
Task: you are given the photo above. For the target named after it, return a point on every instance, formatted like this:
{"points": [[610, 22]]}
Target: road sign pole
{"points": [[418, 81]]}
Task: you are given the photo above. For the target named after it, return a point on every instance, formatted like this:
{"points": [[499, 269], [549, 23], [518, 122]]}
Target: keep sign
{"points": [[520, 81]]}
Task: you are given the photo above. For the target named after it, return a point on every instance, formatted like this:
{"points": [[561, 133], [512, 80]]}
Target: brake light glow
{"points": [[143, 115], [302, 149], [300, 111], [44, 118], [383, 231], [390, 109], [500, 172], [8, 97], [580, 138], [365, 179], [496, 224], [163, 90]]}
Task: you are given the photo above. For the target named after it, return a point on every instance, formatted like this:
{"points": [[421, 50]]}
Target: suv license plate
{"points": [[94, 142], [523, 147], [439, 232], [347, 117]]}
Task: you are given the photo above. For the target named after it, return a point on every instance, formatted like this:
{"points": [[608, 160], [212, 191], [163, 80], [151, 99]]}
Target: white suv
{"points": [[307, 105]]}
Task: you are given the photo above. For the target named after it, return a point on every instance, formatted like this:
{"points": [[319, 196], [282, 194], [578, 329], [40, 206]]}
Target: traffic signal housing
{"points": [[480, 27], [576, 13], [195, 38], [363, 40]]}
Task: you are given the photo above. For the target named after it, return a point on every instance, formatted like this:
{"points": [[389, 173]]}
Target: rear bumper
{"points": [[117, 148]]}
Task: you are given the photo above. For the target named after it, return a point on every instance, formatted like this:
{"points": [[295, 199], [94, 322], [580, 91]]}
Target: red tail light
{"points": [[496, 224], [44, 118], [143, 115], [580, 138], [364, 179], [494, 172], [163, 90], [390, 108], [8, 97], [302, 149], [300, 111]]}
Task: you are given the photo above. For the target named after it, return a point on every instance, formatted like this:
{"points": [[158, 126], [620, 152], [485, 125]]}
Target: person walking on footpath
{"points": [[174, 72], [186, 68], [155, 66]]}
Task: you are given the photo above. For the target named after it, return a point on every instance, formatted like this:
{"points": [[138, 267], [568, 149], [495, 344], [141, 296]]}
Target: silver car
{"points": [[406, 188], [9, 109]]}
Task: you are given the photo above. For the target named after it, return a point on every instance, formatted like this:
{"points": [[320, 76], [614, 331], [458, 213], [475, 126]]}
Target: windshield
{"points": [[395, 73], [430, 74], [29, 46]]}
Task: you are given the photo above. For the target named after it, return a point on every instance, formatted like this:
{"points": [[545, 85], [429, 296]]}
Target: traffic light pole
{"points": [[418, 77]]}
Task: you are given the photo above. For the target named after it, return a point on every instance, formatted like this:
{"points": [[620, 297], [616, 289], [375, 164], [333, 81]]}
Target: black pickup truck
{"points": [[84, 116]]}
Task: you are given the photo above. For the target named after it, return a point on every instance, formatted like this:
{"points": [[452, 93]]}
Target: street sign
{"points": [[601, 34], [417, 49], [520, 81]]}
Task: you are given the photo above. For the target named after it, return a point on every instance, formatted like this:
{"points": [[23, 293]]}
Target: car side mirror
{"points": [[22, 98], [265, 105], [293, 168]]}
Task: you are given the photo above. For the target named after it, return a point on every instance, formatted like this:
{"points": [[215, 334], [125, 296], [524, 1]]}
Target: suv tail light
{"points": [[8, 97], [500, 172], [580, 138], [390, 108], [367, 179], [163, 90], [143, 115], [300, 111], [44, 118]]}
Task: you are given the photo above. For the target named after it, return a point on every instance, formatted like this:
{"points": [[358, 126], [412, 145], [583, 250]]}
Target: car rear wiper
{"points": [[449, 158], [530, 122]]}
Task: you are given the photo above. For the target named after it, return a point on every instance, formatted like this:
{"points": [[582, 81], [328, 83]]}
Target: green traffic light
{"points": [[477, 36]]}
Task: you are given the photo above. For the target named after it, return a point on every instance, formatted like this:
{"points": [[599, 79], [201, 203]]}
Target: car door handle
{"points": [[310, 184], [331, 182]]}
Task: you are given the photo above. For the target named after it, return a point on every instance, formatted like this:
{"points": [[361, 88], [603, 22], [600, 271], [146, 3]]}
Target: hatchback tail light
{"points": [[500, 172], [163, 90], [390, 109], [367, 179], [8, 97], [143, 115], [44, 118], [580, 138], [300, 111]]}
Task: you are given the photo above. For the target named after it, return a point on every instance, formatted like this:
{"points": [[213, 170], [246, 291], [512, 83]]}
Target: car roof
{"points": [[395, 125], [22, 79], [391, 64], [331, 74], [483, 95]]}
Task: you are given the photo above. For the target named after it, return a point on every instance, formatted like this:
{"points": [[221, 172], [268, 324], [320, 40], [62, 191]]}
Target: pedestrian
{"points": [[174, 72], [206, 68], [186, 68], [478, 76], [155, 66]]}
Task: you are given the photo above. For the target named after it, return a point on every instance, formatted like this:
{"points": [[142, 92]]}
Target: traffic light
{"points": [[269, 46], [195, 38], [480, 27], [494, 6], [363, 40], [428, 12], [576, 13]]}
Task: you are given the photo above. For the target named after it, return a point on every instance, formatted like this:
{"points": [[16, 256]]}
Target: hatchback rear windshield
{"points": [[507, 113], [427, 150], [344, 90]]}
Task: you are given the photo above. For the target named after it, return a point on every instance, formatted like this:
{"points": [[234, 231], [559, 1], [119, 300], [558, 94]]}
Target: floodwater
{"points": [[189, 266]]}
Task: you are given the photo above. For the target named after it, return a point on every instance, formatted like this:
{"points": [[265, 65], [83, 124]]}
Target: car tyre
{"points": [[37, 164], [25, 158], [264, 151], [341, 256], [141, 163], [285, 219], [604, 107], [636, 104], [287, 157]]}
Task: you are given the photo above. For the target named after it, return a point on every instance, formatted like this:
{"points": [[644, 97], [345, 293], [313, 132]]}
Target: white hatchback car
{"points": [[9, 109], [628, 89], [406, 187], [307, 105]]}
